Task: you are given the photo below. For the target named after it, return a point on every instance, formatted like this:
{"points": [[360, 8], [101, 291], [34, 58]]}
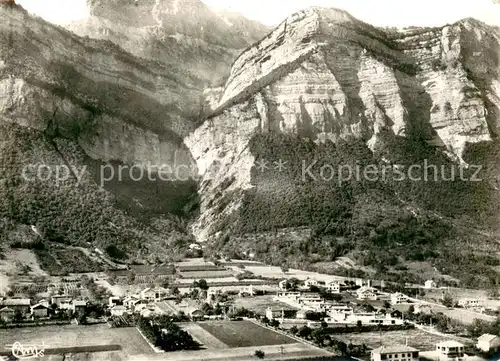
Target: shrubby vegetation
{"points": [[381, 224], [67, 213]]}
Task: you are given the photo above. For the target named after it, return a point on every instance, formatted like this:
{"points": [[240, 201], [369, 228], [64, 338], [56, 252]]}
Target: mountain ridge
{"points": [[321, 88]]}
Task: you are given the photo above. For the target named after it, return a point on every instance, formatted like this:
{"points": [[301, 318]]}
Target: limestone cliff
{"points": [[118, 107], [325, 76], [198, 39]]}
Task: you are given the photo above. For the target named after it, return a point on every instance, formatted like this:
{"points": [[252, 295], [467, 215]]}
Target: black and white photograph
{"points": [[244, 180]]}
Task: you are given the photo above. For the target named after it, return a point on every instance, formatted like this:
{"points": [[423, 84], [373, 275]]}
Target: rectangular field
{"points": [[244, 334], [73, 335]]}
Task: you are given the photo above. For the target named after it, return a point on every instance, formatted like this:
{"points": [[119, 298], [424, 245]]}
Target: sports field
{"points": [[244, 334]]}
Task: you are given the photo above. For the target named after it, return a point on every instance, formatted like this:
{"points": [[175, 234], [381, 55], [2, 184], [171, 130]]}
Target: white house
{"points": [[450, 350], [488, 342], [118, 310], [367, 293], [469, 303], [398, 298], [399, 353], [430, 284], [371, 318], [310, 282], [333, 286]]}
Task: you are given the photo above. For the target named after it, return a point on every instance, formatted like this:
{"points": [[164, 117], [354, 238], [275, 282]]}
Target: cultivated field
{"points": [[416, 338], [244, 334], [220, 273]]}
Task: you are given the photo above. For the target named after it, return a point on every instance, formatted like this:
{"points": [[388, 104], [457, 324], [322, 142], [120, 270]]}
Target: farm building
{"points": [[197, 315], [61, 301], [280, 313], [283, 285], [398, 352], [40, 310], [17, 304]]}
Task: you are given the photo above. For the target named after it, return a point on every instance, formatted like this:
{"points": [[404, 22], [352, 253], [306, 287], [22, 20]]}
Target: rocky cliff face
{"points": [[116, 106], [187, 33], [323, 75]]}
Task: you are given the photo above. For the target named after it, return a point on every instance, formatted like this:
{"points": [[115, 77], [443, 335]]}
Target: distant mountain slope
{"points": [[186, 32]]}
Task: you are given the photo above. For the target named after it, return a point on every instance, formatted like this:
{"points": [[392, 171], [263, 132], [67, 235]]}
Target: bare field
{"points": [[72, 335], [259, 304]]}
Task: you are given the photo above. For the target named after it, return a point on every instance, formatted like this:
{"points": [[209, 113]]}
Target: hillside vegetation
{"points": [[382, 224], [69, 212]]}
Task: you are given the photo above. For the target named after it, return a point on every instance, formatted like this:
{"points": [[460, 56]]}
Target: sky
{"points": [[272, 12]]}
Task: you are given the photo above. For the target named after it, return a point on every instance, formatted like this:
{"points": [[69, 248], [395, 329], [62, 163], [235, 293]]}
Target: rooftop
{"points": [[450, 343], [16, 302], [487, 336], [394, 349]]}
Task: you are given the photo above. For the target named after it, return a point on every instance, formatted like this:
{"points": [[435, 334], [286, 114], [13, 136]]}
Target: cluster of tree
{"points": [[480, 327], [166, 335]]}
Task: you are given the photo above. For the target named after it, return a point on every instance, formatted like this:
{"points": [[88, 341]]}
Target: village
{"points": [[289, 312]]}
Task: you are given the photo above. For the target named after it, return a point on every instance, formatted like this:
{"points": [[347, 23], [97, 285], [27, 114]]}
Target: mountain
{"points": [[274, 144], [327, 90], [197, 38], [111, 120]]}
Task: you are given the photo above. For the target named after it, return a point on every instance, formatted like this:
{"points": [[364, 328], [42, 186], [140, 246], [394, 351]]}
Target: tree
{"points": [[304, 332], [201, 284], [274, 323], [447, 300], [131, 277], [284, 269], [387, 305], [260, 354]]}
